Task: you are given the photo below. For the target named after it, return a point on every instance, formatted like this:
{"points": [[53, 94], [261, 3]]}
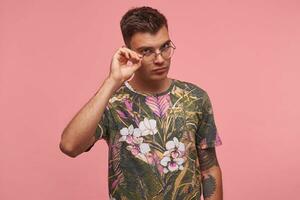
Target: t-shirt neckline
{"points": [[132, 90]]}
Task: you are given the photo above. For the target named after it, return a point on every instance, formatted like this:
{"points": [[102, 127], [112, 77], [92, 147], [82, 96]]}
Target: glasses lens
{"points": [[167, 53], [149, 57]]}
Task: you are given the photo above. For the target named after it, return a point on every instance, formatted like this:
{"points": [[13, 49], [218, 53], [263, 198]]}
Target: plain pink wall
{"points": [[54, 55]]}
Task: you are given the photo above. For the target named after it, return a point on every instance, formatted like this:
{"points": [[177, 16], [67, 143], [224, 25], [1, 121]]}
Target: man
{"points": [[160, 131]]}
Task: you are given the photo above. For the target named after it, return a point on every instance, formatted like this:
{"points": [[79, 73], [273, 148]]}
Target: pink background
{"points": [[54, 55]]}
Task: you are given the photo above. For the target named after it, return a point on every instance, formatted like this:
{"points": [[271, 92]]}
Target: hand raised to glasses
{"points": [[119, 69]]}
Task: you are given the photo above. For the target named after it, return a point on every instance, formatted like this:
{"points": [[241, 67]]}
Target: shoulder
{"points": [[119, 96], [193, 88]]}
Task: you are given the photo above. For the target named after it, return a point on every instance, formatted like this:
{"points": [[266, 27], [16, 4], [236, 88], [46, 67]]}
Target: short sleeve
{"points": [[207, 133], [102, 129]]}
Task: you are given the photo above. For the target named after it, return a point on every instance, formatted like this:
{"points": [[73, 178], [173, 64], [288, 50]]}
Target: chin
{"points": [[151, 76], [159, 77]]}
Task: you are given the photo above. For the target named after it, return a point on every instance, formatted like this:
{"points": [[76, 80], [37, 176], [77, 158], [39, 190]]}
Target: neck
{"points": [[150, 86]]}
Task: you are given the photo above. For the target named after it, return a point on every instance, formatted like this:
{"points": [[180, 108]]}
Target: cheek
{"points": [[145, 67], [168, 62], [140, 71]]}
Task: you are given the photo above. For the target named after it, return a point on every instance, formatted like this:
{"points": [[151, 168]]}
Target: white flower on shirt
{"points": [[173, 157], [174, 148], [148, 127], [171, 164], [137, 146], [133, 137], [127, 134]]}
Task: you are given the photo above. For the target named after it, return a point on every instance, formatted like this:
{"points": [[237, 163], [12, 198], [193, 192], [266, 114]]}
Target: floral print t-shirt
{"points": [[154, 141]]}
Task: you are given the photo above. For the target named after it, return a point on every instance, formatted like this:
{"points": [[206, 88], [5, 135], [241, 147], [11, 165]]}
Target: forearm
{"points": [[78, 133], [212, 184], [211, 174]]}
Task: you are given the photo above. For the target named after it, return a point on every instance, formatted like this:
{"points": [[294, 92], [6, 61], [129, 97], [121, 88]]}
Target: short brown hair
{"points": [[141, 19]]}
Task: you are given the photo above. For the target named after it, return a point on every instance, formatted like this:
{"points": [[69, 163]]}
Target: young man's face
{"points": [[145, 42]]}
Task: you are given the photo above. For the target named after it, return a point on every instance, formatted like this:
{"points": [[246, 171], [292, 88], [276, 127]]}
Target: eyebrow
{"points": [[149, 47]]}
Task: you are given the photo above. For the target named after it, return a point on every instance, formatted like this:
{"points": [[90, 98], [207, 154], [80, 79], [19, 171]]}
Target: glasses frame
{"points": [[172, 45]]}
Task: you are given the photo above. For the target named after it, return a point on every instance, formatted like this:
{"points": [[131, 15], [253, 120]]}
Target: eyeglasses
{"points": [[166, 51]]}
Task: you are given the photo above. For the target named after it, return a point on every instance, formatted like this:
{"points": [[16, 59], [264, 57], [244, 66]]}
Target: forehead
{"points": [[150, 40]]}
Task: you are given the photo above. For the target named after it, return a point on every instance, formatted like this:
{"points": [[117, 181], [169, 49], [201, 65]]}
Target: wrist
{"points": [[113, 83]]}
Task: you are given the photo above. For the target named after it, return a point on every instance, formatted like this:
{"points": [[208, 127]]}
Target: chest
{"points": [[155, 124]]}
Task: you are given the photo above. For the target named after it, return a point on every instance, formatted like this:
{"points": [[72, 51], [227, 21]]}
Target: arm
{"points": [[79, 134], [211, 174]]}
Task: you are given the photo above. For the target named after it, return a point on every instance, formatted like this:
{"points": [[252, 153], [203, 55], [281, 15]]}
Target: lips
{"points": [[160, 69]]}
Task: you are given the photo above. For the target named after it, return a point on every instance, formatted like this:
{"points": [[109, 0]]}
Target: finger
{"points": [[135, 58], [133, 55], [124, 53]]}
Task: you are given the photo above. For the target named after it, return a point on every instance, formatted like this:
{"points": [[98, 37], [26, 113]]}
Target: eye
{"points": [[147, 51], [165, 46]]}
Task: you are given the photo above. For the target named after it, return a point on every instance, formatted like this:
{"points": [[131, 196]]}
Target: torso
{"points": [[152, 143]]}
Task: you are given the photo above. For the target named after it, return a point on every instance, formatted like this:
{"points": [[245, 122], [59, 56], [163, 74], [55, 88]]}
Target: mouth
{"points": [[161, 69]]}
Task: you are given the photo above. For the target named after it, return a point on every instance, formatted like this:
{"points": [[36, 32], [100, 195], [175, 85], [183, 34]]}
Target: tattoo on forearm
{"points": [[208, 158], [209, 186]]}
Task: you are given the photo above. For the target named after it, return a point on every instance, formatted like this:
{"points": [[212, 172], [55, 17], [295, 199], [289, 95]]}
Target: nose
{"points": [[159, 58]]}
